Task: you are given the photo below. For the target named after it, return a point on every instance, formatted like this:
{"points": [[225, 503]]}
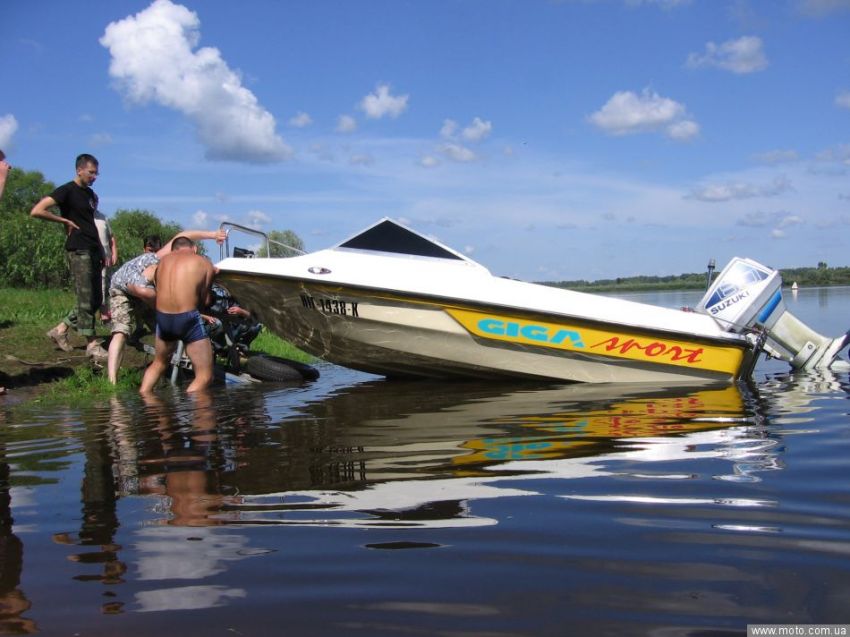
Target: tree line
{"points": [[819, 276], [32, 253]]}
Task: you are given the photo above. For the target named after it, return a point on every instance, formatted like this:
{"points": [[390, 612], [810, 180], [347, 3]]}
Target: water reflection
{"points": [[170, 490], [13, 600], [406, 454]]}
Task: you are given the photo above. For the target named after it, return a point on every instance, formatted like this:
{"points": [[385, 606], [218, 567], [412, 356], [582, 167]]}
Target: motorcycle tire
{"points": [[274, 369]]}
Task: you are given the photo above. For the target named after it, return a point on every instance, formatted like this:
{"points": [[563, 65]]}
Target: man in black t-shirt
{"points": [[77, 203]]}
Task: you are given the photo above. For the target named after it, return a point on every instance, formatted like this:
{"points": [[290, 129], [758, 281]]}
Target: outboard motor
{"points": [[747, 297]]}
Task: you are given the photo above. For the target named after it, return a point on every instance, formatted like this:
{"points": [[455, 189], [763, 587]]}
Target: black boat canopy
{"points": [[390, 236]]}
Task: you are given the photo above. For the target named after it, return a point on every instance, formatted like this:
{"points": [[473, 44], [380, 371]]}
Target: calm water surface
{"points": [[358, 506]]}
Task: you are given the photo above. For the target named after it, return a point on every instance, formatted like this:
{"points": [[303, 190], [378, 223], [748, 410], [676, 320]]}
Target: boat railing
{"points": [[283, 250]]}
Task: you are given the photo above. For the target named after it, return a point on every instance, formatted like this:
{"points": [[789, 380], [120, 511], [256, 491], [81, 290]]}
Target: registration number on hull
{"points": [[330, 306]]}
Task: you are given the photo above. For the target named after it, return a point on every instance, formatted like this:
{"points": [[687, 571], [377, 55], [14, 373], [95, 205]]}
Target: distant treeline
{"points": [[819, 276]]}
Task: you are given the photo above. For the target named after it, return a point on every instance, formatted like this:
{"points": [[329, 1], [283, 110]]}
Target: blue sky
{"points": [[548, 140]]}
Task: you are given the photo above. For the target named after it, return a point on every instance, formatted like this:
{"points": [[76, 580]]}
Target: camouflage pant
{"points": [[85, 268], [129, 311]]}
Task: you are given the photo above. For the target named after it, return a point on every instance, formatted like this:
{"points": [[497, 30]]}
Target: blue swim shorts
{"points": [[186, 326]]}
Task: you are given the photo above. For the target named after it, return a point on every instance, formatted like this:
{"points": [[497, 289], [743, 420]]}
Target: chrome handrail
{"points": [[227, 226]]}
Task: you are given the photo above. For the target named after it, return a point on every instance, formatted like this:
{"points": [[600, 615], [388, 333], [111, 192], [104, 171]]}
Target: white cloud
{"points": [[842, 100], [715, 193], [744, 55], [627, 112], [449, 129], [683, 130], [346, 124], [790, 220], [784, 222], [257, 218], [381, 104], [8, 128], [200, 219], [429, 161], [457, 152], [155, 59], [477, 130], [300, 120]]}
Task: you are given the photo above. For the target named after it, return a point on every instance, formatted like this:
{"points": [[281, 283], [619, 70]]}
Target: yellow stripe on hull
{"points": [[591, 341]]}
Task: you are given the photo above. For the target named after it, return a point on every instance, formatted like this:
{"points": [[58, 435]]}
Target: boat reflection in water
{"points": [[417, 453], [658, 489]]}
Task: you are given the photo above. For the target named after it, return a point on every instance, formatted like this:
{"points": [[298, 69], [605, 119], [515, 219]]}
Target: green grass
{"points": [[272, 345], [34, 306], [25, 316], [90, 383]]}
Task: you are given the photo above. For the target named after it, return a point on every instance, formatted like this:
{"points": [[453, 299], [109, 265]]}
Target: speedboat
{"points": [[394, 302]]}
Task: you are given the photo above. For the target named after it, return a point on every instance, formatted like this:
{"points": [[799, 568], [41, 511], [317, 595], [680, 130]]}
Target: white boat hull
{"points": [[402, 335]]}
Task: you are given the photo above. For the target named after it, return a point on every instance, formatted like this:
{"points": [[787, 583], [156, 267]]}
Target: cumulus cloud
{"points": [[683, 130], [457, 152], [429, 161], [784, 222], [453, 148], [8, 128], [790, 220], [842, 100], [346, 124], [256, 218], [627, 112], [449, 129], [715, 193], [155, 59], [300, 120], [477, 130], [381, 104], [741, 56], [200, 219]]}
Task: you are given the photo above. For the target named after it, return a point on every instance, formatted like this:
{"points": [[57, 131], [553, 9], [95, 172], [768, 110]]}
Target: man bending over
{"points": [[183, 281]]}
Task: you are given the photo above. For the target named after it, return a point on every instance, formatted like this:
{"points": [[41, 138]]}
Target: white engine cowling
{"points": [[747, 297]]}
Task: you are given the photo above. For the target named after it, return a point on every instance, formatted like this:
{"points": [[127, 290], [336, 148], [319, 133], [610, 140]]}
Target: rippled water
{"points": [[358, 506]]}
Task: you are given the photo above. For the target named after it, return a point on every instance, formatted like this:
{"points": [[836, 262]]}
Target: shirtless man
{"points": [[131, 293], [183, 280]]}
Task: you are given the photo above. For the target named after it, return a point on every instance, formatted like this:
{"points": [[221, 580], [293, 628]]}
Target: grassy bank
{"points": [[31, 366]]}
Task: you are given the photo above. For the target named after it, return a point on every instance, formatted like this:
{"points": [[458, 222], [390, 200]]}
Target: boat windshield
{"points": [[388, 236]]}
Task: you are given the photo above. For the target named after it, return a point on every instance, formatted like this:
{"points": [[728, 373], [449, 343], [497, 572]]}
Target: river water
{"points": [[358, 506]]}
